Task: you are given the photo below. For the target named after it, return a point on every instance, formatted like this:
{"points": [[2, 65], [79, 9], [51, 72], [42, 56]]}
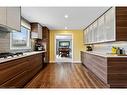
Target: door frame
{"points": [[63, 34]]}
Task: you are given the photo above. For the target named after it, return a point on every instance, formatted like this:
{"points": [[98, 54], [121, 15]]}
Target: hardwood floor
{"points": [[65, 75]]}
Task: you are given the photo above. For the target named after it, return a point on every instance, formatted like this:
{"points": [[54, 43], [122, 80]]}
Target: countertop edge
{"points": [[104, 55], [18, 57]]}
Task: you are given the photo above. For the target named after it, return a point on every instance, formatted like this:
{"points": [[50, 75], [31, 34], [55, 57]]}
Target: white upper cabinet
{"points": [[103, 29], [100, 34], [3, 15], [95, 31], [10, 17], [110, 25], [13, 17], [84, 36], [90, 34]]}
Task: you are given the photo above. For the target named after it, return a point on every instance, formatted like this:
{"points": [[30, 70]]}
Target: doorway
{"points": [[64, 48]]}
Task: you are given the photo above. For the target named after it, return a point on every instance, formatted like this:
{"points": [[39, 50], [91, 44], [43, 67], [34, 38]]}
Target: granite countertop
{"points": [[21, 56], [105, 54]]}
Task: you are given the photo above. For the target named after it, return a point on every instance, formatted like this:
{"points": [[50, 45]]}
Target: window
{"points": [[20, 40]]}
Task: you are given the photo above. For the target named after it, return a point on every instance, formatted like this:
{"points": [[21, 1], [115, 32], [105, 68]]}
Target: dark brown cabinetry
{"points": [[111, 70], [121, 23], [46, 42], [36, 30], [17, 73]]}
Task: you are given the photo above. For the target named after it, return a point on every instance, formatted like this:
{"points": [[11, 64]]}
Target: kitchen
{"points": [[27, 50]]}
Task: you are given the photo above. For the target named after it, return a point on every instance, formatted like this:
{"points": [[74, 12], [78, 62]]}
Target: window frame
{"points": [[28, 46]]}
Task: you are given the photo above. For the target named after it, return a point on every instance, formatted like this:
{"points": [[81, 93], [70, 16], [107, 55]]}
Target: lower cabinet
{"points": [[17, 73], [96, 64], [111, 70]]}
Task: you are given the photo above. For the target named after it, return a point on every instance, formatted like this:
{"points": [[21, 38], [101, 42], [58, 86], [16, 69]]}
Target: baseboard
{"points": [[64, 62]]}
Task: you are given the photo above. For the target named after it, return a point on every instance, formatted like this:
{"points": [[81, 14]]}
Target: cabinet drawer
{"points": [[11, 72], [21, 79], [17, 73]]}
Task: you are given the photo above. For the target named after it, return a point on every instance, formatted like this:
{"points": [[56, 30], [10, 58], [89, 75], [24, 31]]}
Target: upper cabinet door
{"points": [[88, 35], [110, 25], [100, 34], [3, 15], [40, 31], [84, 36], [91, 34], [36, 30], [14, 17], [95, 32]]}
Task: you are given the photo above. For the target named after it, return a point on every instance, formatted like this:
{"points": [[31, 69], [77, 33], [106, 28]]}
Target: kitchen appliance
{"points": [[120, 51], [38, 45], [9, 54], [89, 48]]}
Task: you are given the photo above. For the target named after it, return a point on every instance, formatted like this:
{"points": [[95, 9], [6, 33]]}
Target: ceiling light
{"points": [[66, 16], [66, 28]]}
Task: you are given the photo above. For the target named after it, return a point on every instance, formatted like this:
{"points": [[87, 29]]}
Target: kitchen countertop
{"points": [[107, 55], [21, 56]]}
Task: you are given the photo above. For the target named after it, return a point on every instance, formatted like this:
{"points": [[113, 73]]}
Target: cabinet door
{"points": [[110, 25], [13, 18], [100, 34], [95, 32], [91, 34], [84, 36], [88, 35], [3, 15], [39, 31]]}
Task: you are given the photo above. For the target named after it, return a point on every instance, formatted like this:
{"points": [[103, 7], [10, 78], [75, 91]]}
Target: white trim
{"points": [[67, 34]]}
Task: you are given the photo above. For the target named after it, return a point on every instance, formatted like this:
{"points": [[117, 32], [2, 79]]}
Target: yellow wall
{"points": [[77, 43]]}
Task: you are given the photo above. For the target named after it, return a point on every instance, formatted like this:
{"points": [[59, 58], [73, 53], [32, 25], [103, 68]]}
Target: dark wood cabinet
{"points": [[111, 70], [45, 32], [42, 32], [36, 30], [121, 23], [17, 73], [46, 42]]}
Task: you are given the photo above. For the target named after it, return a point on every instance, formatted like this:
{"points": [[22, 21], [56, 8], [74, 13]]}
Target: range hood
{"points": [[4, 28]]}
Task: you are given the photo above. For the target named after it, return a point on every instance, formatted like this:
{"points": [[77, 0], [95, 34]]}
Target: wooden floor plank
{"points": [[65, 75]]}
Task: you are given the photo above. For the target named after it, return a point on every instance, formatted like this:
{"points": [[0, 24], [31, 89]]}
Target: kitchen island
{"points": [[109, 68], [18, 71]]}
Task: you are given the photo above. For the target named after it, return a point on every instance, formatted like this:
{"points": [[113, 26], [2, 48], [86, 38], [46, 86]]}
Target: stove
{"points": [[9, 54]]}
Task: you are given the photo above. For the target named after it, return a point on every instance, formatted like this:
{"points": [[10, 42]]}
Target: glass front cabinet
{"points": [[101, 30]]}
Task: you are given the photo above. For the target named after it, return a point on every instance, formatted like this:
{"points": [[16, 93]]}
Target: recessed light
{"points": [[66, 16], [66, 28]]}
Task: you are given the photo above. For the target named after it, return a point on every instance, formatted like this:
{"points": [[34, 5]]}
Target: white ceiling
{"points": [[53, 17]]}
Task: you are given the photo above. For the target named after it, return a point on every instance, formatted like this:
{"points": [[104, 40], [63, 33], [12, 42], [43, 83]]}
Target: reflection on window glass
{"points": [[21, 39]]}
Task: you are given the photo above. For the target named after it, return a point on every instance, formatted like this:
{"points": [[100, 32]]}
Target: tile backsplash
{"points": [[4, 41], [106, 47]]}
